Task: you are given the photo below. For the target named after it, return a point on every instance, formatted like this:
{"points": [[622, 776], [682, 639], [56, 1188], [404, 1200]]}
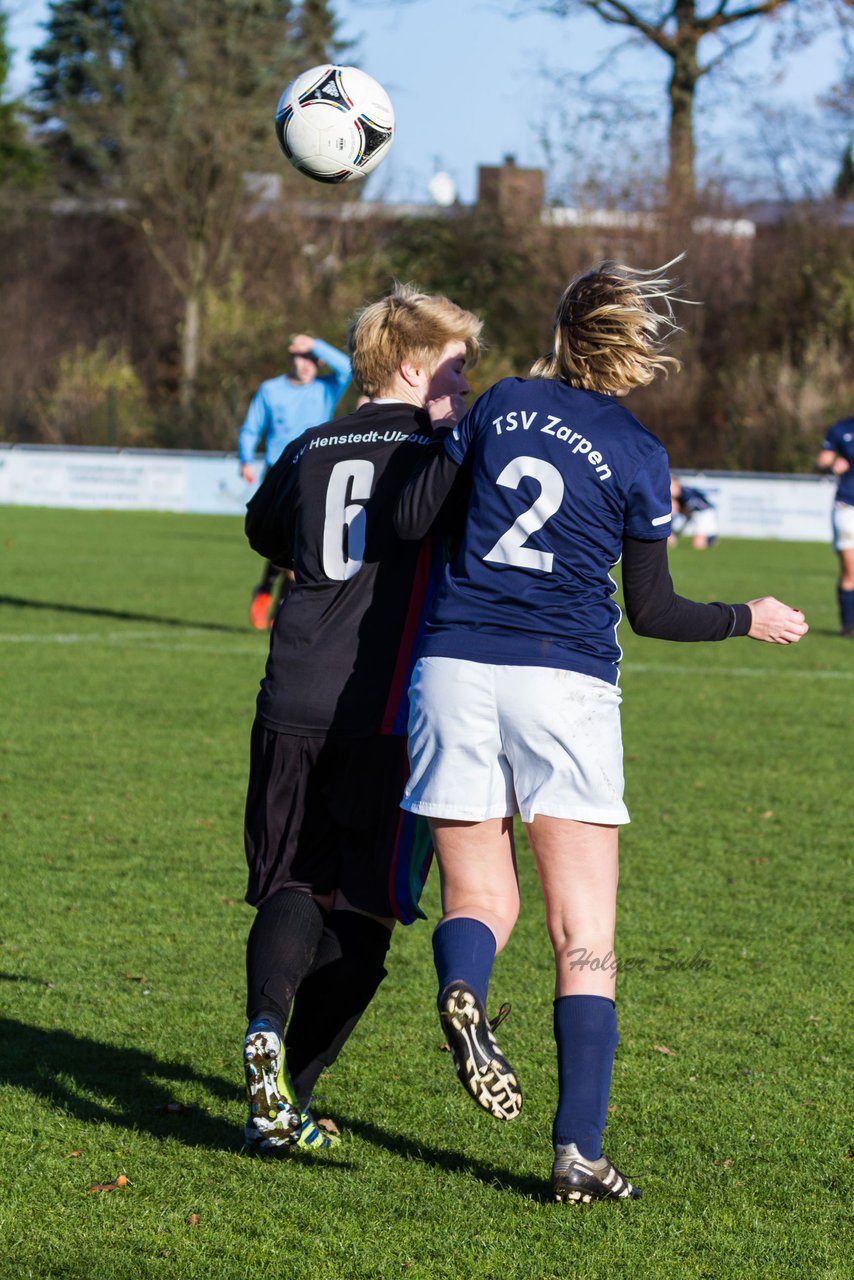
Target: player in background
{"points": [[836, 456], [515, 699], [332, 861], [694, 516], [281, 409]]}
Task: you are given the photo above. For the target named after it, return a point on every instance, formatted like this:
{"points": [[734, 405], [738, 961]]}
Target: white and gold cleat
{"points": [[481, 1066]]}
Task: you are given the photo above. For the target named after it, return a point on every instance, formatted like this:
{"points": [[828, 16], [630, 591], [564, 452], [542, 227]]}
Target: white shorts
{"points": [[701, 524], [843, 527], [489, 741]]}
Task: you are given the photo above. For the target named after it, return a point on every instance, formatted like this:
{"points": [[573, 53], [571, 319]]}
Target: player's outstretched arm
{"points": [[775, 622]]}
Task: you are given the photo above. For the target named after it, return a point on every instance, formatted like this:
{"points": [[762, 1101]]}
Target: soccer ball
{"points": [[335, 123]]}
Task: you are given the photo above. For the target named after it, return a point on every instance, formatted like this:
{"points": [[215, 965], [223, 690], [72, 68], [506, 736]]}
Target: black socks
{"points": [[280, 950], [347, 970]]}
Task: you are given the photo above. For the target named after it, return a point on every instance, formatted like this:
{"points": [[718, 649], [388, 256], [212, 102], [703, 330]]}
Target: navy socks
{"points": [[464, 951], [846, 608], [585, 1030]]}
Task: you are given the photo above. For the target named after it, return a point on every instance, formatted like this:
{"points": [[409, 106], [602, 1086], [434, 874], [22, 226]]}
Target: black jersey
{"points": [[344, 640]]}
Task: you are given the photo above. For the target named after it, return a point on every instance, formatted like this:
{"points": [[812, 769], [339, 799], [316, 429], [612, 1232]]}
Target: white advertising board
{"points": [[122, 480], [790, 508]]}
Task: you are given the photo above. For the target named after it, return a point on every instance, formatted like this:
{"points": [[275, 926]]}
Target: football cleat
{"points": [[274, 1121], [579, 1180], [310, 1137], [481, 1066], [259, 610]]}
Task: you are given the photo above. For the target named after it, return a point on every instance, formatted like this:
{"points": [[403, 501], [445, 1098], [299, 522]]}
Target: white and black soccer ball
{"points": [[335, 123]]}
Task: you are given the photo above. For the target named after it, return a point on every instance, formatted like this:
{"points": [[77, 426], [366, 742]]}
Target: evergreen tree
{"points": [[20, 161], [843, 187], [316, 33], [79, 85]]}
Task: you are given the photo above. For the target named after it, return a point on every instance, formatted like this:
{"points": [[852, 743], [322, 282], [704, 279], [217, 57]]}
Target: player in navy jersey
{"points": [[333, 863], [281, 409], [693, 515], [515, 700], [836, 456]]}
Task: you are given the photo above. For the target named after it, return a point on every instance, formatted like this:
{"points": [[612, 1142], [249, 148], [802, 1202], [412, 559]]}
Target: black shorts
{"points": [[324, 814]]}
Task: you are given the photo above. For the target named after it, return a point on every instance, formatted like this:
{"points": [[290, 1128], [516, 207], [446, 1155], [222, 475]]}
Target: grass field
{"points": [[129, 676]]}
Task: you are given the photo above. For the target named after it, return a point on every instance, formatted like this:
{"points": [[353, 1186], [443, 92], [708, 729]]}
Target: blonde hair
{"points": [[608, 335], [407, 325]]}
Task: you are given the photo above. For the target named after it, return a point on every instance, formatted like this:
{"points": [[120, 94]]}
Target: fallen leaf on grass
{"points": [[662, 1048], [193, 1220], [769, 813], [613, 1109], [229, 902], [760, 860], [75, 1153], [120, 1181], [329, 1125]]}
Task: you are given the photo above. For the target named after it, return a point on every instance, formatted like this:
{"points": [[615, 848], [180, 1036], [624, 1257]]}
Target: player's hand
{"points": [[840, 466], [247, 473], [301, 344], [775, 622], [446, 410]]}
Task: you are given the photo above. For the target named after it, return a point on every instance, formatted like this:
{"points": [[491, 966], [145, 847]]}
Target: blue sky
{"points": [[470, 85]]}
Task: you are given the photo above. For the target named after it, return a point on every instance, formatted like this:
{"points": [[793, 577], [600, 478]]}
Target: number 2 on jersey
{"points": [[510, 547], [345, 521]]}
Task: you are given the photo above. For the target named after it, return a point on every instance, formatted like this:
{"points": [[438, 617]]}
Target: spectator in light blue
{"points": [[282, 409]]}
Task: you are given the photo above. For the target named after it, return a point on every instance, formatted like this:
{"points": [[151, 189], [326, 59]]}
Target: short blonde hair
{"points": [[407, 325], [608, 335]]}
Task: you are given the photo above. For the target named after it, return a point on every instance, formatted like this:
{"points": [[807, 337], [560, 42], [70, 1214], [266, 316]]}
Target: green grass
{"points": [[129, 682]]}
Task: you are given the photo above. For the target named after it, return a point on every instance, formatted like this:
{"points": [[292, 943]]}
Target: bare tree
{"points": [[677, 28], [166, 106]]}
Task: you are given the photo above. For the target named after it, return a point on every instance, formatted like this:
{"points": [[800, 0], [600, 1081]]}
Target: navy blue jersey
{"points": [[840, 438], [558, 477], [691, 500]]}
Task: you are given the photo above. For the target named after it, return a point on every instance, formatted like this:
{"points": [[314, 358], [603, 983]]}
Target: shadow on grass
{"points": [[101, 1083], [90, 611], [449, 1161]]}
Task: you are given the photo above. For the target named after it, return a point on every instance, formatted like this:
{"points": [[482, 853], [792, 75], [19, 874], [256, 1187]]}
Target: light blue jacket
{"points": [[281, 410]]}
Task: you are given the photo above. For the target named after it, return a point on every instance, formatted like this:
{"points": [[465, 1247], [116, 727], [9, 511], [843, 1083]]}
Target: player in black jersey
{"points": [[515, 698], [333, 863]]}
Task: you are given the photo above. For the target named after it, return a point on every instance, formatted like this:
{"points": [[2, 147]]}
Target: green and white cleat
{"points": [[310, 1137], [274, 1122]]}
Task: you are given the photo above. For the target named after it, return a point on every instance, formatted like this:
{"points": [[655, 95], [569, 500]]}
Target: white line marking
{"points": [[140, 640], [152, 640], [749, 672]]}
